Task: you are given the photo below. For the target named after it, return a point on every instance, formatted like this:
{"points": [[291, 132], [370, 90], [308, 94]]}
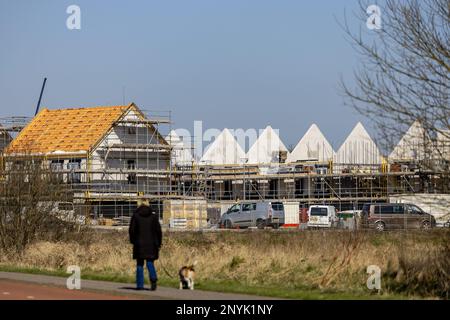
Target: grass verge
{"points": [[228, 286]]}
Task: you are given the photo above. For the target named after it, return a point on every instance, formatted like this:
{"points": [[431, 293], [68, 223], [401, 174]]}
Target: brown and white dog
{"points": [[187, 275]]}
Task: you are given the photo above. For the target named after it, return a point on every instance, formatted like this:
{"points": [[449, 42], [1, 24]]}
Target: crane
{"points": [[40, 97]]}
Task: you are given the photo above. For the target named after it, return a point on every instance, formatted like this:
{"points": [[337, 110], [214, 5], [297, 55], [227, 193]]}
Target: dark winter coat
{"points": [[145, 234]]}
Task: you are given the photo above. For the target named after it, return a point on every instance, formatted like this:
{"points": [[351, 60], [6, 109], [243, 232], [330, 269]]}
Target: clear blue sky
{"points": [[230, 63]]}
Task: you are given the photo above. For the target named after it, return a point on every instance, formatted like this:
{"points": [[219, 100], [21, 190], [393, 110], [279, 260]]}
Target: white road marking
{"points": [[30, 297], [6, 293]]}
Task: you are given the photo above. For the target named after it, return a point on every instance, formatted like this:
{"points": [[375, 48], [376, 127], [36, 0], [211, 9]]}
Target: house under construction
{"points": [[110, 156], [313, 173]]}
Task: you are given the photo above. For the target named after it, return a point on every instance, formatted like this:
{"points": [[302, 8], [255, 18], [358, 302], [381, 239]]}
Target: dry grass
{"points": [[325, 260]]}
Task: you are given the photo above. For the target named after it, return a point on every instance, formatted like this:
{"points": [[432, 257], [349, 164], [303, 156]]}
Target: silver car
{"points": [[253, 214]]}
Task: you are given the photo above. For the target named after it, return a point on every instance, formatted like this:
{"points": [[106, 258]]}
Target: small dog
{"points": [[187, 275]]}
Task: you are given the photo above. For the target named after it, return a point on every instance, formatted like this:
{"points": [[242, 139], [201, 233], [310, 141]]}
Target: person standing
{"points": [[146, 237]]}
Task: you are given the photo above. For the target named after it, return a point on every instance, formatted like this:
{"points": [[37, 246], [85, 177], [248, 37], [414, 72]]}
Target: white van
{"points": [[321, 216], [259, 214]]}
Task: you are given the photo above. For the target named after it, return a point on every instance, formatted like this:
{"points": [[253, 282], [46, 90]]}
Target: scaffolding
{"points": [[133, 160], [9, 128], [130, 161], [348, 190]]}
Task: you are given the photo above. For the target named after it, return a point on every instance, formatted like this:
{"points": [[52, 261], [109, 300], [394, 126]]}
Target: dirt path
{"points": [[31, 286]]}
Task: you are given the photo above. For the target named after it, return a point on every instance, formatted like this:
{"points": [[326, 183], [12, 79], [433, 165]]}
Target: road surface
{"points": [[18, 290], [24, 286]]}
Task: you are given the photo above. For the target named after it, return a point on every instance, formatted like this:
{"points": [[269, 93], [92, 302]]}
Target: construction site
{"points": [[109, 157]]}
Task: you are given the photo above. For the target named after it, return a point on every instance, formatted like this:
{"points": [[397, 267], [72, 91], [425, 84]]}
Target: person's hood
{"points": [[144, 211]]}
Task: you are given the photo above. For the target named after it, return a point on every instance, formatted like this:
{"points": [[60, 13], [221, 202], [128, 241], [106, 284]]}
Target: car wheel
{"points": [[426, 225], [260, 224], [227, 224], [379, 226]]}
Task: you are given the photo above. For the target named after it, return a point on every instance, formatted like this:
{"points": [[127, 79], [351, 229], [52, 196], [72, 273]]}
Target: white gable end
{"points": [[413, 145], [358, 148], [266, 148], [224, 150], [312, 146]]}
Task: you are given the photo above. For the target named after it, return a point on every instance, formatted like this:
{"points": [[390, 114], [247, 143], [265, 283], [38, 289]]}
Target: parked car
{"points": [[321, 216], [383, 216], [253, 214]]}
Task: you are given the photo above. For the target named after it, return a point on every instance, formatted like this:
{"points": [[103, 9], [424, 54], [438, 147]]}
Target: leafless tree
{"points": [[29, 192], [404, 72]]}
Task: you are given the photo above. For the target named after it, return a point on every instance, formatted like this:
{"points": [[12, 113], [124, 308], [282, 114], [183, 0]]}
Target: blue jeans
{"points": [[140, 272]]}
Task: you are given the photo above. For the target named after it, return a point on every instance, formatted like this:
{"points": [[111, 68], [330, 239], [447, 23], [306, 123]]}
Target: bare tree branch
{"points": [[404, 74]]}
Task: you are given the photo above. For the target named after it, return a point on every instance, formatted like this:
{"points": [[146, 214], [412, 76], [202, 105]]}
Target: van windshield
{"points": [[319, 211], [277, 206], [234, 208]]}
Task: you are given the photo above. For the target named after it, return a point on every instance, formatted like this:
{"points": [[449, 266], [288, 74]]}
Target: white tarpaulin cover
{"points": [[181, 152], [266, 148], [358, 148], [312, 146], [413, 144], [224, 150]]}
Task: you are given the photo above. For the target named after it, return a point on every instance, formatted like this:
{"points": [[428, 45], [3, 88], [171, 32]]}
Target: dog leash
{"points": [[165, 270]]}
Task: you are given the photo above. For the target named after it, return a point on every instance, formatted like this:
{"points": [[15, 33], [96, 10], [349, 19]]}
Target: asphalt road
{"points": [[40, 287], [18, 290]]}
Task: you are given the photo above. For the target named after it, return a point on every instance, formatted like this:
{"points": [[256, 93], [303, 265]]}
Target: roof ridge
{"points": [[92, 107]]}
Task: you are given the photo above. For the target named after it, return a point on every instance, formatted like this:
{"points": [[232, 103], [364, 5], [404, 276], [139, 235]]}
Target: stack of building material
{"points": [[194, 211], [105, 222], [225, 150], [214, 210], [267, 148], [121, 221], [313, 146]]}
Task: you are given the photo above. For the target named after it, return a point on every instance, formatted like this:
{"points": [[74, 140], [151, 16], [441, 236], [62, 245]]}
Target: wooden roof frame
{"points": [[140, 114]]}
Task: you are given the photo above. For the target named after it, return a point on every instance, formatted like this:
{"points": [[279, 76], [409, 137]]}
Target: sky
{"points": [[230, 63]]}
